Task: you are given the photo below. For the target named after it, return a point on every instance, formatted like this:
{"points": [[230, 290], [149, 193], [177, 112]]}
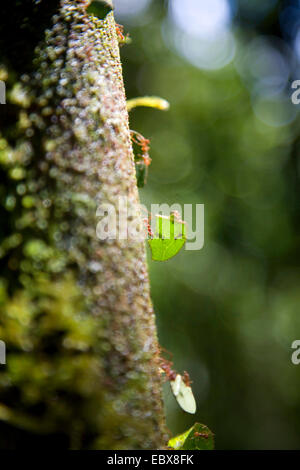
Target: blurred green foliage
{"points": [[230, 311]]}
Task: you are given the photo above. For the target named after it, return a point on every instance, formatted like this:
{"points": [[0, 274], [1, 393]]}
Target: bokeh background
{"points": [[230, 140]]}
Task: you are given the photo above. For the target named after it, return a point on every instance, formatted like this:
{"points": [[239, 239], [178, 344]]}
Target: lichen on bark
{"points": [[75, 312]]}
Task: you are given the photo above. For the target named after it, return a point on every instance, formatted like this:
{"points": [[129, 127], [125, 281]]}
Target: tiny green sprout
{"points": [[198, 437], [149, 102], [169, 237]]}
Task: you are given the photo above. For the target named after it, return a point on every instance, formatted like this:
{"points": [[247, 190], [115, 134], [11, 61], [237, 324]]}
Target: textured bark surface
{"points": [[75, 312]]}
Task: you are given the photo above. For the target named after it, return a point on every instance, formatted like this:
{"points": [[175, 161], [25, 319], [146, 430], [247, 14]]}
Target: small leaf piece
{"points": [[169, 237], [178, 441], [198, 437], [183, 394]]}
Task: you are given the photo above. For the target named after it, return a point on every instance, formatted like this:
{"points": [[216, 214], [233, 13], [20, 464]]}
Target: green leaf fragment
{"points": [[169, 237], [178, 441], [198, 437]]}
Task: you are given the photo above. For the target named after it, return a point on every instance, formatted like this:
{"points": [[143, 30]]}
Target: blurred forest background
{"points": [[230, 311]]}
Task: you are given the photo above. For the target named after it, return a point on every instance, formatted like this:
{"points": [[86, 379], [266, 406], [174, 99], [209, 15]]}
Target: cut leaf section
{"points": [[169, 237]]}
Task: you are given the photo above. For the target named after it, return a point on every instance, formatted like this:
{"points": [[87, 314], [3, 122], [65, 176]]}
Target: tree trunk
{"points": [[76, 314]]}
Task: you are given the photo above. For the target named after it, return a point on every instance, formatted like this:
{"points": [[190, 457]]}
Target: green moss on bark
{"points": [[75, 312]]}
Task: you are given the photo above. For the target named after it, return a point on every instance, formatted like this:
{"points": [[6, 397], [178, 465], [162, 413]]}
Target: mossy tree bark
{"points": [[75, 312]]}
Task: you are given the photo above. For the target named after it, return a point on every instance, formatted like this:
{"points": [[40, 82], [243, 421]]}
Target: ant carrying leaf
{"points": [[169, 236], [183, 394], [180, 386]]}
